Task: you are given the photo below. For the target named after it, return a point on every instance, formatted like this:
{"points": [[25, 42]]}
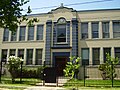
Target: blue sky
{"points": [[108, 4]]}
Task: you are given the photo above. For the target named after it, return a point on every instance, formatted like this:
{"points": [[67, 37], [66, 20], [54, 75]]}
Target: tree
{"points": [[108, 68], [72, 67], [11, 14]]}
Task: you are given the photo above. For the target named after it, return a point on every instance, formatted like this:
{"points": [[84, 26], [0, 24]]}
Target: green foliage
{"points": [[11, 14], [28, 72], [108, 68], [13, 66], [72, 67]]}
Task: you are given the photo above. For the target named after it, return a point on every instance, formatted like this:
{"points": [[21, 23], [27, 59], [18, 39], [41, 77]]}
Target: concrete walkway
{"points": [[60, 82], [50, 86], [44, 88]]}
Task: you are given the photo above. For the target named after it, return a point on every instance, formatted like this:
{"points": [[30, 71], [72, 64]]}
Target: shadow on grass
{"points": [[25, 81]]}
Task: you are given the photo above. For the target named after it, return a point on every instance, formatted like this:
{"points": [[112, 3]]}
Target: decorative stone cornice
{"points": [[61, 8]]}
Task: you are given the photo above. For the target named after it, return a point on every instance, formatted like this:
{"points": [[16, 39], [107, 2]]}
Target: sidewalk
{"points": [[50, 86], [44, 88]]}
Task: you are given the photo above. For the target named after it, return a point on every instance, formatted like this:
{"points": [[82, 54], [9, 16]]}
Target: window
{"points": [[38, 57], [13, 36], [105, 29], [22, 33], [95, 27], [96, 56], [39, 32], [29, 56], [117, 53], [21, 53], [106, 50], [85, 56], [84, 30], [4, 55], [12, 52], [31, 33], [116, 29], [6, 35], [61, 30]]}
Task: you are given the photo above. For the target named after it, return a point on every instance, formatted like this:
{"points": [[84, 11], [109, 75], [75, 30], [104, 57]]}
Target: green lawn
{"points": [[90, 84], [93, 88], [93, 83], [7, 83]]}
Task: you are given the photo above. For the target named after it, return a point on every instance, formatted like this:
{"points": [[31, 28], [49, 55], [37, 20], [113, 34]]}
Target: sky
{"points": [[38, 6]]}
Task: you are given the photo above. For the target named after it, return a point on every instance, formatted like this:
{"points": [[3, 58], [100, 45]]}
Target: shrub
{"points": [[72, 67], [28, 72], [13, 66], [108, 68]]}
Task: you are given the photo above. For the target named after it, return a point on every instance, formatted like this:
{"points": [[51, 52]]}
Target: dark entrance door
{"points": [[50, 75], [60, 63]]}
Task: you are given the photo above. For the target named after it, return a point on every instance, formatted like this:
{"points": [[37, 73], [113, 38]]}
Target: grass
{"points": [[93, 83], [6, 83], [93, 88]]}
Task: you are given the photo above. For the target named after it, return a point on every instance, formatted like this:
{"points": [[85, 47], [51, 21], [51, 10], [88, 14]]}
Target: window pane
{"points": [[13, 36], [22, 33], [61, 33], [39, 32], [96, 56], [95, 30], [29, 56], [4, 55], [21, 53], [116, 29], [12, 52], [105, 29], [38, 57], [85, 56], [6, 34], [106, 50], [117, 53], [84, 30], [31, 33]]}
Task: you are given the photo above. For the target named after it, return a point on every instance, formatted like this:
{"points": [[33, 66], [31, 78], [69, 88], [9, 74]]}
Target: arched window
{"points": [[61, 30]]}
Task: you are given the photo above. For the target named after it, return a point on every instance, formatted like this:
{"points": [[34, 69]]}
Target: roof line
{"points": [[98, 10], [77, 11]]}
